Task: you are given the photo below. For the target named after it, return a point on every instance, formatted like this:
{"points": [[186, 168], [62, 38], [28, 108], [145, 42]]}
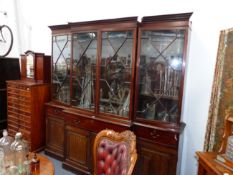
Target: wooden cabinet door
{"points": [[78, 149], [55, 136], [153, 160]]}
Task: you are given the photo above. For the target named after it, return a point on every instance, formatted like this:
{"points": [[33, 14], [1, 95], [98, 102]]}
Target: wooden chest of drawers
{"points": [[25, 110]]}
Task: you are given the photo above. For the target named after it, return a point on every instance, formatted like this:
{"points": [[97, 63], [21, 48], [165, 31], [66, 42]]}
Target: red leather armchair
{"points": [[114, 153]]}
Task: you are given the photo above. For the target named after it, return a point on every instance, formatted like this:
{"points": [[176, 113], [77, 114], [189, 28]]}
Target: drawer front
{"points": [[12, 99], [12, 115], [13, 104], [166, 138], [55, 112], [25, 99], [12, 129], [19, 109], [13, 91], [24, 88], [77, 121], [12, 109], [19, 120], [20, 106], [91, 124], [12, 121], [21, 90]]}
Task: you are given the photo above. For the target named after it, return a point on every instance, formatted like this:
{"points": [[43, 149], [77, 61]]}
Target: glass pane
{"points": [[29, 66], [160, 70], [84, 70], [116, 67], [61, 68]]}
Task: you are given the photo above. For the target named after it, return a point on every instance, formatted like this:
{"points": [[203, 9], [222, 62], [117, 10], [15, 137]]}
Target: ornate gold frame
{"points": [[125, 136], [221, 104]]}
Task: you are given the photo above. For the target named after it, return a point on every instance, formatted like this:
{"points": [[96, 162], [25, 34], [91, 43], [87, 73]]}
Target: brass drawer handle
{"points": [[77, 122], [56, 111], [154, 134]]}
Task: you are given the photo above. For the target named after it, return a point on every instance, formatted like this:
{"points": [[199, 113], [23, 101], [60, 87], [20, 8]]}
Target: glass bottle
{"points": [[27, 165], [35, 165], [2, 163], [19, 149], [229, 148], [5, 143]]}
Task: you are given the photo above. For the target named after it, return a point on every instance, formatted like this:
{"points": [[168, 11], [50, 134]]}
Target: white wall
{"points": [[8, 17], [208, 19]]}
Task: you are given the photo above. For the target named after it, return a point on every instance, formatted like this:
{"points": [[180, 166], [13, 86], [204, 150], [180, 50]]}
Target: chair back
{"points": [[114, 153]]}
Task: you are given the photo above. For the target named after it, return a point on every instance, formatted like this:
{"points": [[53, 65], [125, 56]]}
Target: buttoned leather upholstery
{"points": [[113, 156]]}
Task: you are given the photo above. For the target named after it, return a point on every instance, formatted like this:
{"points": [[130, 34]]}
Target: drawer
{"points": [[25, 113], [13, 121], [82, 122], [12, 99], [19, 107], [27, 109], [25, 126], [13, 91], [19, 121], [12, 115], [26, 99], [11, 131], [24, 88], [12, 127], [26, 103], [12, 109], [25, 94], [53, 111], [10, 85], [77, 121], [158, 136], [26, 118], [13, 104]]}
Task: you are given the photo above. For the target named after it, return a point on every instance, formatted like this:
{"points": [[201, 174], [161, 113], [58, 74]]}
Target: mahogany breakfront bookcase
{"points": [[118, 74]]}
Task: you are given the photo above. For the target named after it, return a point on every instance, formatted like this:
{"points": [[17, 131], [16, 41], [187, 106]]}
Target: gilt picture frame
{"points": [[221, 103]]}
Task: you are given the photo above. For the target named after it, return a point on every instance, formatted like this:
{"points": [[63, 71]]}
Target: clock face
{"points": [[30, 66], [6, 40]]}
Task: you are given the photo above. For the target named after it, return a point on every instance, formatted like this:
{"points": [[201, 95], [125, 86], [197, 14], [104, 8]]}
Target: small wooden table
{"points": [[208, 166], [46, 165]]}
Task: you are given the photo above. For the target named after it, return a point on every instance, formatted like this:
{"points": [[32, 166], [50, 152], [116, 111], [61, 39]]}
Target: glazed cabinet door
{"points": [[116, 72], [153, 160], [78, 150], [61, 68], [55, 137], [160, 74], [84, 70]]}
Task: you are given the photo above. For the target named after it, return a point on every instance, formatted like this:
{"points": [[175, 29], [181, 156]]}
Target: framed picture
{"points": [[221, 104]]}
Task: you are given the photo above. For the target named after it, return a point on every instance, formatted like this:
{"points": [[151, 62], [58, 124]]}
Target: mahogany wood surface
{"points": [[157, 141], [208, 166], [78, 150], [25, 110], [55, 136], [42, 67], [154, 159]]}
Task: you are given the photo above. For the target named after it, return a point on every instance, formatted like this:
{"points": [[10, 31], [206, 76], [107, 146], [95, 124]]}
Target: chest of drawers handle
{"points": [[154, 134], [56, 111], [77, 122]]}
